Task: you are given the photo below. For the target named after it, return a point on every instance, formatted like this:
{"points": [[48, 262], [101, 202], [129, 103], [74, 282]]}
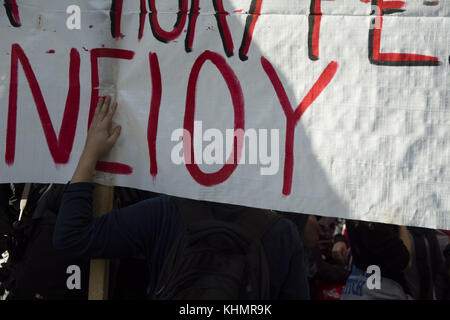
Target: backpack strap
{"points": [[257, 221]]}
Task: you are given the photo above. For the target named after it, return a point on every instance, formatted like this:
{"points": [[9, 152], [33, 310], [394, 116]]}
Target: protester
{"points": [[152, 226], [385, 247], [442, 282], [412, 261], [34, 270], [6, 218], [427, 257], [327, 276]]}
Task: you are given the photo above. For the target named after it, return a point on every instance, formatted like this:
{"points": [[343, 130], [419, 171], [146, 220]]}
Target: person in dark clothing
{"points": [[442, 282], [150, 227], [427, 256], [326, 276], [6, 218], [385, 246], [34, 270], [382, 245]]}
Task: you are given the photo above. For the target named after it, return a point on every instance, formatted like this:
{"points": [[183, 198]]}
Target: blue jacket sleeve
{"points": [[122, 233]]}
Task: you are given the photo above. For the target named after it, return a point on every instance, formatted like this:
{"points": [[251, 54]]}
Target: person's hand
{"points": [[339, 252], [98, 142]]}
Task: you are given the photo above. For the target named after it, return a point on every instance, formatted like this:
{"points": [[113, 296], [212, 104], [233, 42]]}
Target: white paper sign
{"points": [[336, 108]]}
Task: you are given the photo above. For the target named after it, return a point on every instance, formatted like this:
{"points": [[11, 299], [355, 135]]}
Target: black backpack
{"points": [[35, 270], [217, 260]]}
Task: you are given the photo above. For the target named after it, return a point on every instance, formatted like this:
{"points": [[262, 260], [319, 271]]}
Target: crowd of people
{"points": [[165, 247]]}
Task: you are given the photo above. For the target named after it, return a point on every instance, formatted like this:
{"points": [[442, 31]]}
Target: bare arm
{"points": [[98, 141], [120, 233]]}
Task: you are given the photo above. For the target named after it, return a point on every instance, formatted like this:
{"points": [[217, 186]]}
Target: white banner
{"points": [[336, 108]]}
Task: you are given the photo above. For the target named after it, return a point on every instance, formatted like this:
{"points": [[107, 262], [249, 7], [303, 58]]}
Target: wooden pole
{"points": [[99, 269]]}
